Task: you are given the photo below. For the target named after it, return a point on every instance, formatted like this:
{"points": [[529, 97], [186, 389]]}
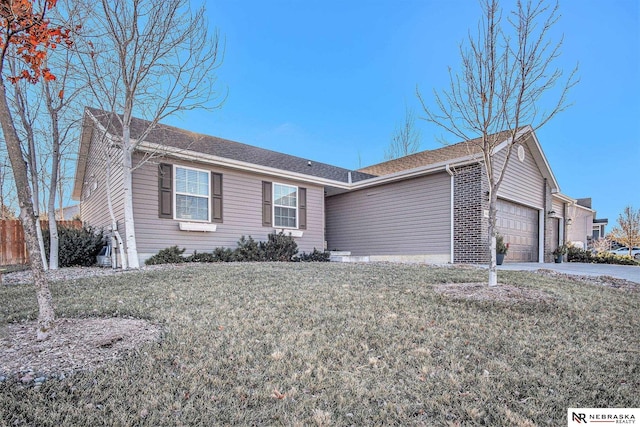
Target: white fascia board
{"points": [[584, 208], [555, 186], [149, 147], [507, 141], [252, 167], [83, 150], [573, 202], [564, 198]]}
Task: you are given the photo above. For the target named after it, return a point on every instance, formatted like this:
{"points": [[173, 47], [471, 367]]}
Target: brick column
{"points": [[470, 200]]}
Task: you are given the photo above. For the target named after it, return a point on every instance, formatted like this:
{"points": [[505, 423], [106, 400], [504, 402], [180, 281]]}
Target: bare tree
{"points": [[7, 199], [59, 97], [627, 232], [47, 118], [406, 138], [602, 244], [23, 24], [154, 59], [506, 70]]}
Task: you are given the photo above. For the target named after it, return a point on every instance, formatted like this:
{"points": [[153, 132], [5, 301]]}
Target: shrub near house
{"points": [[278, 247], [575, 254], [77, 247]]}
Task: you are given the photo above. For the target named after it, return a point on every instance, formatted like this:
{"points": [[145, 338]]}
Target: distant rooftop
{"points": [[429, 157]]}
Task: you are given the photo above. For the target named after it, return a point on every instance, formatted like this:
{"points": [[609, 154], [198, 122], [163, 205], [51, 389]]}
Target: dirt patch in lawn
{"points": [[482, 292], [76, 345]]}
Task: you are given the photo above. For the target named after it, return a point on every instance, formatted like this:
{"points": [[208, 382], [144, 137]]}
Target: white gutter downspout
{"points": [[450, 172]]}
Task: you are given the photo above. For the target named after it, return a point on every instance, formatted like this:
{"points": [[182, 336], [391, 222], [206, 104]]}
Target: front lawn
{"points": [[338, 344]]}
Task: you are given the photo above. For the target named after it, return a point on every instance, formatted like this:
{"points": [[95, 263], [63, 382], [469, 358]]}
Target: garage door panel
{"points": [[518, 225]]}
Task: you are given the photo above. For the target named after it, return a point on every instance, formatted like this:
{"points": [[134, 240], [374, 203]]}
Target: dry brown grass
{"points": [[338, 344], [479, 291]]}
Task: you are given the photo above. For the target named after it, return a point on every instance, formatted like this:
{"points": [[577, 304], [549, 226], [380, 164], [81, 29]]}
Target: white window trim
{"points": [[197, 226], [273, 208], [175, 194], [289, 232]]}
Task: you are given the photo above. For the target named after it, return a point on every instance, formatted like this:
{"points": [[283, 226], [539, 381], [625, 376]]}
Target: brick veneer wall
{"points": [[470, 226]]}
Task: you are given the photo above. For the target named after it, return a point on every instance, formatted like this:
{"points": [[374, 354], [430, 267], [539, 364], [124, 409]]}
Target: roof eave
{"points": [[154, 148], [88, 123], [415, 172]]}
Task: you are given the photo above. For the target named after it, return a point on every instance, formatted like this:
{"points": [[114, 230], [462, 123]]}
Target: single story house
{"points": [[201, 192]]}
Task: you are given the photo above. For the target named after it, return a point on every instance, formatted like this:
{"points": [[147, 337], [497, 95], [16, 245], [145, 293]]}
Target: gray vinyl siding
{"points": [[558, 207], [523, 183], [411, 217], [94, 209], [242, 212], [581, 226]]}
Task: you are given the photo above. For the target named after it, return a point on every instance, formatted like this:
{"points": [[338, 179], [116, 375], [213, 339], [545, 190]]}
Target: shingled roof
{"points": [[185, 140], [430, 157]]}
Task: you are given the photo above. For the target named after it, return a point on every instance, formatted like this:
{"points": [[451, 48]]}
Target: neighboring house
{"points": [[201, 192], [577, 221], [68, 212], [599, 226]]}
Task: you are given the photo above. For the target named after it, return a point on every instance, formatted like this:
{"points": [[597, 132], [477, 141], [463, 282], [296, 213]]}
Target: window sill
{"points": [[290, 232], [197, 226]]}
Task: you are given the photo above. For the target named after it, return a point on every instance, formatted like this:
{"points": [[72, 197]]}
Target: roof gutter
{"points": [[447, 167], [149, 147]]}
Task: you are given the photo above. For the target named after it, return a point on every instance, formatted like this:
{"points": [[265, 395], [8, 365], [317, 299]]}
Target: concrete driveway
{"points": [[627, 272]]}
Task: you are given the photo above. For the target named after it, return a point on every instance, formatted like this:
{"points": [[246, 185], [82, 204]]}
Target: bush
{"points": [[200, 257], [222, 255], [315, 256], [77, 246], [170, 255], [218, 255], [580, 255], [279, 247], [247, 250]]}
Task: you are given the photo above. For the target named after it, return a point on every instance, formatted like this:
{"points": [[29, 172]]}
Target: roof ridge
{"points": [[230, 149]]}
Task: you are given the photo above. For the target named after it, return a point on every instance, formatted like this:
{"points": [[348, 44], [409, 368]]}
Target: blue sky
{"points": [[329, 81]]}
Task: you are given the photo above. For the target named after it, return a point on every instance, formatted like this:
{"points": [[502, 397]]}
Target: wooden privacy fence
{"points": [[13, 247]]}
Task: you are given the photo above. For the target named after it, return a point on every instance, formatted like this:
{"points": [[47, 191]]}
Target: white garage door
{"points": [[519, 226]]}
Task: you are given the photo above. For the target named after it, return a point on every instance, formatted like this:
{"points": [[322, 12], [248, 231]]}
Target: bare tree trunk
{"points": [[55, 163], [493, 268], [60, 197], [114, 223], [129, 224], [46, 315], [33, 166]]}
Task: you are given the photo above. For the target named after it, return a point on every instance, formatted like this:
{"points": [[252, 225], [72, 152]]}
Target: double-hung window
{"points": [[285, 206], [192, 194]]}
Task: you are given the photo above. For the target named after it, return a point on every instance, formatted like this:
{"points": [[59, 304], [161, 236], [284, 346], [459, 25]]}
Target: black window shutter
{"points": [[216, 197], [266, 204], [165, 190], [302, 208]]}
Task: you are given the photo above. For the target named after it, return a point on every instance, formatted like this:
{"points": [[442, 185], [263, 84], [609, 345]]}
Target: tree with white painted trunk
{"points": [[497, 96], [154, 59], [47, 119], [24, 27]]}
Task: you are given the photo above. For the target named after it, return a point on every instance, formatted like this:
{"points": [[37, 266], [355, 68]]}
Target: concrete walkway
{"points": [[627, 272]]}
